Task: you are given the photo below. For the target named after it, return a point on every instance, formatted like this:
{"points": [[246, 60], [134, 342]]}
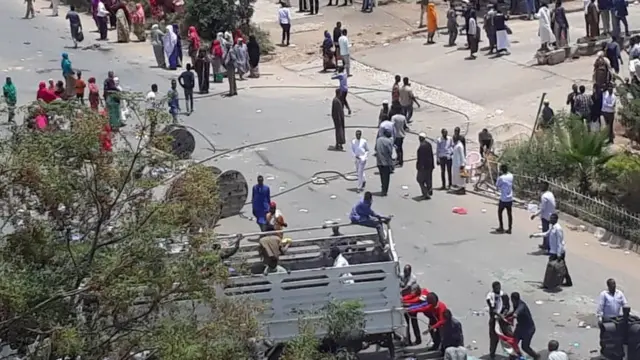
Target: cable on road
{"points": [[321, 177]]}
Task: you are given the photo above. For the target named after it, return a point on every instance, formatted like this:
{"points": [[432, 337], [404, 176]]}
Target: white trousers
{"points": [[54, 8], [360, 165]]}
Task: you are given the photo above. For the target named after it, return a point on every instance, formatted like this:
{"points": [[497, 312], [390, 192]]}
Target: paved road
{"points": [[454, 255]]}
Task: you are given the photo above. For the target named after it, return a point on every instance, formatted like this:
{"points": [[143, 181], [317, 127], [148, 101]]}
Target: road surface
{"points": [[453, 255]]}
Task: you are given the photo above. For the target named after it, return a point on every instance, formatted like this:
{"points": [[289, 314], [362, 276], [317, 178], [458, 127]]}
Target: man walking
{"points": [[284, 18], [343, 43], [188, 81], [556, 254], [172, 99], [444, 151], [230, 65], [314, 7], [384, 159], [54, 7], [75, 25], [609, 110], [407, 99], [360, 151], [505, 185], [30, 9], [400, 128], [546, 209], [424, 166]]}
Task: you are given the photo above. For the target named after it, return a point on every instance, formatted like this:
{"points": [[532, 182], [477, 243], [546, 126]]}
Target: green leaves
{"points": [[85, 262]]}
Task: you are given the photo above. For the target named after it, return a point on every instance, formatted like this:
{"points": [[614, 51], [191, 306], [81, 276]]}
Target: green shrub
{"points": [[623, 165], [213, 16]]}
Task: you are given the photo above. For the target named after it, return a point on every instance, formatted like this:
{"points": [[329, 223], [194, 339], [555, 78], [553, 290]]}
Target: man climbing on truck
{"points": [[362, 214], [272, 247]]}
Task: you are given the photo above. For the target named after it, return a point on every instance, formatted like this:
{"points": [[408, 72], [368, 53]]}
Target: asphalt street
{"points": [[453, 255]]}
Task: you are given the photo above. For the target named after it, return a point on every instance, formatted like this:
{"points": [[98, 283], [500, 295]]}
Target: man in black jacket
{"points": [[424, 166]]}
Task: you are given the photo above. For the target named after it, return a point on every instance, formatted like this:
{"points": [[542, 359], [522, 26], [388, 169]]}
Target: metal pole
{"points": [[535, 123], [326, 226]]}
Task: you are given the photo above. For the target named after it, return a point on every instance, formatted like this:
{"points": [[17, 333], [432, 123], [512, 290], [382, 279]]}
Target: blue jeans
{"points": [[371, 223]]}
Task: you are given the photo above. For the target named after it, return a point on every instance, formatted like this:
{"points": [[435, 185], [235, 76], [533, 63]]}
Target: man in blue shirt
{"points": [[504, 184], [620, 13], [260, 201], [363, 214]]}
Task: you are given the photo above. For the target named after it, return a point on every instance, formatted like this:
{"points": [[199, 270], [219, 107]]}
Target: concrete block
{"points": [[556, 56], [590, 48]]}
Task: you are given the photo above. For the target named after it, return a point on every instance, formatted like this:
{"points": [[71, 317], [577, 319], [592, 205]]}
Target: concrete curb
{"points": [[614, 241]]}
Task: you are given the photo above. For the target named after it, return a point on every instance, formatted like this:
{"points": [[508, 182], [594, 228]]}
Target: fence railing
{"points": [[569, 200]]}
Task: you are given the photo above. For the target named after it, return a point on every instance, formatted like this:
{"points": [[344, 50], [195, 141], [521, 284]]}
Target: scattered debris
{"points": [[484, 210], [333, 197], [539, 302], [459, 210], [258, 111], [303, 211], [582, 324], [556, 314], [405, 187]]}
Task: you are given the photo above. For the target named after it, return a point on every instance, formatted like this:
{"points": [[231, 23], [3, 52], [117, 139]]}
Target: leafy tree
{"points": [[94, 263], [213, 16], [586, 151], [629, 112]]}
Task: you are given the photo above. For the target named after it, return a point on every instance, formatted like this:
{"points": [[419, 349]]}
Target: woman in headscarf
{"points": [[242, 58], [194, 44], [170, 42], [327, 52], [202, 70], [253, 49], [217, 56], [52, 86], [176, 30], [237, 35], [45, 94], [94, 94], [11, 98], [67, 73], [158, 47], [432, 22], [123, 23], [227, 39], [138, 19]]}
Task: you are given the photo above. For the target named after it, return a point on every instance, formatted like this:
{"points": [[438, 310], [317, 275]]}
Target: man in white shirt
{"points": [[102, 16], [360, 151], [339, 261], [545, 210], [556, 246], [609, 110], [284, 18], [343, 43], [498, 303], [610, 302], [505, 185], [152, 109]]}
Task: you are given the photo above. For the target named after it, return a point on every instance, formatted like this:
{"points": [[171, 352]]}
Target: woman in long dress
{"points": [[123, 26], [327, 52], [202, 70], [458, 166], [217, 55], [242, 58], [94, 94], [194, 44], [158, 47], [112, 98], [432, 22], [138, 19], [544, 27], [560, 25], [253, 49], [67, 72], [170, 42], [176, 30]]}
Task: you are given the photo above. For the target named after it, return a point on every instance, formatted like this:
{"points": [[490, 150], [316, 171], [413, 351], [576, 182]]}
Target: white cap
{"points": [[386, 102], [422, 135]]}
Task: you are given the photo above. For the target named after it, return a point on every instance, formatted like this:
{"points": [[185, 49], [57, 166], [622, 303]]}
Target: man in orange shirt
{"points": [[80, 86], [435, 311], [275, 218]]}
